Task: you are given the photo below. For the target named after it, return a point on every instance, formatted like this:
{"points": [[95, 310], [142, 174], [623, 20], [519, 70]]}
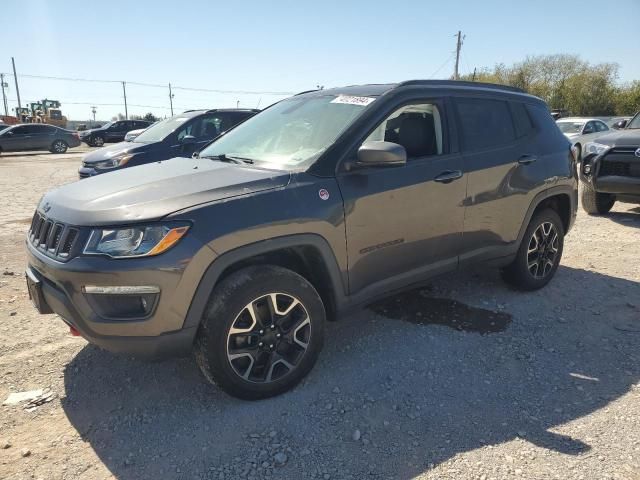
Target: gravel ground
{"points": [[550, 390]]}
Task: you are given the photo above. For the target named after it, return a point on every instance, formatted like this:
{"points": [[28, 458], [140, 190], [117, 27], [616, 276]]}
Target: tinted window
{"points": [[418, 128], [41, 129], [521, 119], [26, 130], [589, 128], [601, 127], [485, 123]]}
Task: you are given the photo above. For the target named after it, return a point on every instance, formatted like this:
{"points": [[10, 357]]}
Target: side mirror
{"points": [[188, 140], [381, 154], [588, 130], [620, 125]]}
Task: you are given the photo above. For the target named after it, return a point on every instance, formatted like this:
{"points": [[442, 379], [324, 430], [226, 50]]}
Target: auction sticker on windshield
{"points": [[351, 100]]}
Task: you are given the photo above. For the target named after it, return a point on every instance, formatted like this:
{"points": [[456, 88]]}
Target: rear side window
{"points": [[485, 123], [521, 119]]}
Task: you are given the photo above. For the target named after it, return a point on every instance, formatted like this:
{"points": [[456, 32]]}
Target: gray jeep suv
{"points": [[320, 203]]}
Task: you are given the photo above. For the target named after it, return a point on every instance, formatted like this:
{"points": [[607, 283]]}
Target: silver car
{"points": [[580, 130]]}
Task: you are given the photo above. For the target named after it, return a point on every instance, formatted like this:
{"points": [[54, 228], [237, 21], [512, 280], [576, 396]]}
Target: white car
{"points": [[580, 130], [133, 134]]}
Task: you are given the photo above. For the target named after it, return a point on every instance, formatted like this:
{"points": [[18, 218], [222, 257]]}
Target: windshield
{"points": [[635, 122], [570, 127], [106, 125], [291, 134], [159, 131]]}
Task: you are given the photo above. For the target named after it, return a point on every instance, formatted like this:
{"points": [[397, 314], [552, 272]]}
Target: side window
{"points": [[521, 119], [191, 129], [589, 128], [212, 126], [485, 123], [20, 130], [601, 127], [418, 128]]}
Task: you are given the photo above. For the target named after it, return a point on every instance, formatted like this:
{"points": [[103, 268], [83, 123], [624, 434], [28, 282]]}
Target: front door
{"points": [[404, 223]]}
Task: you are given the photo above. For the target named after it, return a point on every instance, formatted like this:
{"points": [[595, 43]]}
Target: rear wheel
{"points": [[595, 203], [539, 254], [59, 146], [262, 332], [97, 141]]}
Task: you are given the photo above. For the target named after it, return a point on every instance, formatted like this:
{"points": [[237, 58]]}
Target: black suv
{"points": [[177, 136], [111, 132], [610, 169], [320, 203]]}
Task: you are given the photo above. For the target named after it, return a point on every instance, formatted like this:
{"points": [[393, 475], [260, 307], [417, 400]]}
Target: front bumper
{"points": [[160, 334]]}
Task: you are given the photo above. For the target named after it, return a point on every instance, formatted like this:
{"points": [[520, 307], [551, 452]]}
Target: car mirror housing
{"points": [[620, 125], [188, 140], [381, 154]]}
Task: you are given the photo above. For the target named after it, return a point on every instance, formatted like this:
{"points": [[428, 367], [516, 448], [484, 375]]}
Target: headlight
{"points": [[114, 162], [596, 148], [142, 241]]}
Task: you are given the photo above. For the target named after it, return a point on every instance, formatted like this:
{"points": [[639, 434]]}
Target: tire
{"points": [[97, 141], [531, 270], [595, 203], [59, 146], [246, 364]]}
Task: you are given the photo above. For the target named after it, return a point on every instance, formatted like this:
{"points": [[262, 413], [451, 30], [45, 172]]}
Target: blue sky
{"points": [[286, 46]]}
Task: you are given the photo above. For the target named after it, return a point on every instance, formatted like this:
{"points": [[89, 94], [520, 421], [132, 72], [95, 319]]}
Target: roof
{"points": [[577, 119], [377, 89]]}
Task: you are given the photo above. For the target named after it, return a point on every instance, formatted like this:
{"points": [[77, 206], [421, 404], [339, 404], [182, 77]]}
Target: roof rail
{"points": [[460, 83], [306, 91]]}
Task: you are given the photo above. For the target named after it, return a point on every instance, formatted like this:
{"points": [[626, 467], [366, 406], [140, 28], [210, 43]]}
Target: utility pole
{"points": [[456, 73], [474, 74], [4, 97], [15, 77], [93, 110], [124, 91], [171, 99]]}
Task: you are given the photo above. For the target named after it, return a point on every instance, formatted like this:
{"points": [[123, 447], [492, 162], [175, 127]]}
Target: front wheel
{"points": [[539, 254], [262, 332], [595, 203], [59, 146]]}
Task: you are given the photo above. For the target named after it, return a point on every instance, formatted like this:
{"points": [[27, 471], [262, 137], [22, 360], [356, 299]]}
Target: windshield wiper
{"points": [[229, 158]]}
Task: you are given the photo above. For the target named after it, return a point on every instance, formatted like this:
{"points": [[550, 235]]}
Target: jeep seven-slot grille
{"points": [[52, 238], [620, 162]]}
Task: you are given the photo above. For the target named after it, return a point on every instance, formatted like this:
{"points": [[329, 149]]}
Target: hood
{"points": [[571, 135], [105, 153], [152, 191], [621, 138]]}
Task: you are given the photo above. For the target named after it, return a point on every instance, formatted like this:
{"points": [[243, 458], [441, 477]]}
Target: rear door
{"points": [[42, 136], [503, 173]]}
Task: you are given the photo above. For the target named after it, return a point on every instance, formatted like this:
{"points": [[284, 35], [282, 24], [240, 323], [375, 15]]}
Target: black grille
{"points": [[620, 162], [52, 238]]}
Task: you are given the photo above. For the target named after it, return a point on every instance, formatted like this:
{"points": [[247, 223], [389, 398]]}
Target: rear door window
{"points": [[521, 119], [485, 123]]}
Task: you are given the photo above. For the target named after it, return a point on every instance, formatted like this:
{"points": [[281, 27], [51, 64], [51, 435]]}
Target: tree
{"points": [[567, 82]]}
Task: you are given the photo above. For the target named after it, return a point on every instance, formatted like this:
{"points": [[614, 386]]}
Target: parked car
{"points": [[111, 132], [319, 203], [610, 169], [180, 135], [619, 122], [37, 136], [581, 130], [3, 126]]}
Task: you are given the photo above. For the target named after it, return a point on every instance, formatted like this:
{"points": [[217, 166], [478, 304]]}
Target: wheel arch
{"points": [[562, 199], [309, 255]]}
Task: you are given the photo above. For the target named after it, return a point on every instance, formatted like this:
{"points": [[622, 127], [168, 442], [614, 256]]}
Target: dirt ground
{"points": [[549, 390]]}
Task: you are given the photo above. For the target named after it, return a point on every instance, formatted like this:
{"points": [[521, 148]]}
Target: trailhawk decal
{"points": [[350, 100]]}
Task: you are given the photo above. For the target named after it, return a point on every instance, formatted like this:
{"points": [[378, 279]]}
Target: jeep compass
{"points": [[322, 202]]}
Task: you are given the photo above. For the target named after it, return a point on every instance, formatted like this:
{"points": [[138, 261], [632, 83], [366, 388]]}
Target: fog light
{"points": [[122, 302], [586, 169]]}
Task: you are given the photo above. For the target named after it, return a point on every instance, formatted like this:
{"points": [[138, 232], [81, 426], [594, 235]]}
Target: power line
{"points": [[442, 66], [154, 85]]}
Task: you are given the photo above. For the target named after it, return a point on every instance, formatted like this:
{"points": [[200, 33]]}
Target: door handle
{"points": [[527, 159], [448, 176]]}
